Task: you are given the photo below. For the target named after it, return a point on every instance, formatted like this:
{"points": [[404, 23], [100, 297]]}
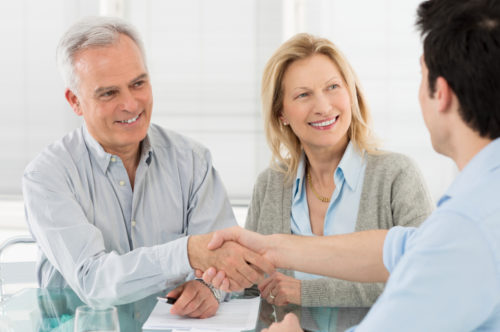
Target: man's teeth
{"points": [[324, 123], [129, 121]]}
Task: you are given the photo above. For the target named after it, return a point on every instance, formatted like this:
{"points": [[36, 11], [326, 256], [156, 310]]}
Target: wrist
{"points": [[195, 251], [215, 292], [275, 245]]}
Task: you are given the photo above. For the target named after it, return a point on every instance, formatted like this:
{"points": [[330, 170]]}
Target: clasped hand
{"points": [[242, 266], [277, 289]]}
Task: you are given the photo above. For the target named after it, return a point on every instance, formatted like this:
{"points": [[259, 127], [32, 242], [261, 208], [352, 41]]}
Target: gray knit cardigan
{"points": [[393, 194]]}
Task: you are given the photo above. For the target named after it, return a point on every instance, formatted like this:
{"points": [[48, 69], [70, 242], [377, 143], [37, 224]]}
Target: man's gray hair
{"points": [[87, 33]]}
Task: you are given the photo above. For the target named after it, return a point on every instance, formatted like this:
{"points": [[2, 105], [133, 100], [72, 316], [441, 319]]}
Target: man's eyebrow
{"points": [[140, 77], [100, 90]]}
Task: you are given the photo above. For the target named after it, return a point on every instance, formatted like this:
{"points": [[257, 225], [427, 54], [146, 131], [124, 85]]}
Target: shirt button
{"points": [[122, 183], [113, 159], [137, 315], [133, 223]]}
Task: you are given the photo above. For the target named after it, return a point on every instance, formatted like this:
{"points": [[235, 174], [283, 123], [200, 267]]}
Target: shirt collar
{"points": [[350, 165], [103, 158], [483, 162], [297, 185]]}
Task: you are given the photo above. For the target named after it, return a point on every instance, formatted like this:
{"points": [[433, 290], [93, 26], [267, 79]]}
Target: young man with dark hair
{"points": [[444, 275]]}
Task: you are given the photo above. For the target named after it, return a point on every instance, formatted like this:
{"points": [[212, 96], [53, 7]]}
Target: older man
{"points": [[112, 204]]}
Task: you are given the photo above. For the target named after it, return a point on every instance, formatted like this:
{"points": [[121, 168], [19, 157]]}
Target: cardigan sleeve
{"points": [[394, 193], [411, 202], [330, 292], [253, 213]]}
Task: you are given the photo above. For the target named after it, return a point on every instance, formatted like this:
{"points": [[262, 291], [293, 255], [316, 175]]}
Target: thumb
{"points": [[175, 293], [216, 241], [219, 237]]}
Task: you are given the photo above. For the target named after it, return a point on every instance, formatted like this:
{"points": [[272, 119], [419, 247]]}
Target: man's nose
{"points": [[129, 101]]}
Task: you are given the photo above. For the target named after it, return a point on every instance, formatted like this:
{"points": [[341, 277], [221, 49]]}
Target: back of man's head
{"points": [[98, 31], [462, 45]]}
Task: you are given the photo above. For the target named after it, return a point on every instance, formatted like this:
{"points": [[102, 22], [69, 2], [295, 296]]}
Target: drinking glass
{"points": [[88, 319]]}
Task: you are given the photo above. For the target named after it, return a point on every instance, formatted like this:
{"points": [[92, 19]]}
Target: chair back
{"points": [[17, 272]]}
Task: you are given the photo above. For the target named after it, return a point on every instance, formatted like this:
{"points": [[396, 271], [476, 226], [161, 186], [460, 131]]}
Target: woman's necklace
{"points": [[318, 196]]}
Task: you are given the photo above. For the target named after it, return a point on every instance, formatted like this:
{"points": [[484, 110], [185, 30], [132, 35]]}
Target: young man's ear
{"points": [[443, 95], [73, 101]]}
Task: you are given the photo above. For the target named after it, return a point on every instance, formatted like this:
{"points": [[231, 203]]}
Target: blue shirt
{"points": [[110, 244], [342, 211], [445, 275]]}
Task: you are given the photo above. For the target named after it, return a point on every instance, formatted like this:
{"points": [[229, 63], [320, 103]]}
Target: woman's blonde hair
{"points": [[284, 144]]}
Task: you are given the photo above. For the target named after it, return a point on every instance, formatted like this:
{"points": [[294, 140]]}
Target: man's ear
{"points": [[443, 95], [73, 101]]}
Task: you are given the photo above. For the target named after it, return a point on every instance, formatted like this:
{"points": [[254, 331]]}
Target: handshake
{"points": [[233, 258]]}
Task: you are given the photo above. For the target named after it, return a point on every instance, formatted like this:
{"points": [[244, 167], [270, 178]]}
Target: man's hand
{"points": [[253, 241], [289, 324], [194, 299], [242, 266], [219, 278], [280, 289]]}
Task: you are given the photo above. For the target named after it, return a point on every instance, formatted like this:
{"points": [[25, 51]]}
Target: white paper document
{"points": [[235, 315]]}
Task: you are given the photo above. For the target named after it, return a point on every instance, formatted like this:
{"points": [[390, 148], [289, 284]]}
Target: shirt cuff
{"points": [[173, 258], [395, 245]]}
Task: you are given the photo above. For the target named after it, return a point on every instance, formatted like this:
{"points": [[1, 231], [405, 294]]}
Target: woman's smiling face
{"points": [[316, 103]]}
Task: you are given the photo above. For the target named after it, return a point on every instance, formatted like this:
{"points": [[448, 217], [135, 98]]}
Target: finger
{"points": [[209, 312], [259, 261], [190, 306], [281, 298], [238, 274], [263, 284], [225, 286], [198, 273], [291, 321], [207, 308], [218, 279], [234, 286], [266, 291], [209, 274], [223, 235], [187, 296], [202, 307]]}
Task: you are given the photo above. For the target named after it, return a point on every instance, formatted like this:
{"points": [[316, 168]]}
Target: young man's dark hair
{"points": [[462, 45]]}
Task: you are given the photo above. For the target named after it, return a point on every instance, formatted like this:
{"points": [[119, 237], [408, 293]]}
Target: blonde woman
{"points": [[327, 176]]}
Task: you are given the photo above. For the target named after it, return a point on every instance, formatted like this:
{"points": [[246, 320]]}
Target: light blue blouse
{"points": [[342, 212]]}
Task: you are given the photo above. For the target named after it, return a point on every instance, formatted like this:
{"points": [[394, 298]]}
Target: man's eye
{"points": [[108, 93], [138, 84]]}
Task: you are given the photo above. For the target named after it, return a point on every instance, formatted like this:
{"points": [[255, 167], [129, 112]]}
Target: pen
{"points": [[169, 300]]}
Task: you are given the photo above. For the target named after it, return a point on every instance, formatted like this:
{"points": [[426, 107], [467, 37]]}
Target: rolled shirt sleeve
{"points": [[420, 294], [395, 245]]}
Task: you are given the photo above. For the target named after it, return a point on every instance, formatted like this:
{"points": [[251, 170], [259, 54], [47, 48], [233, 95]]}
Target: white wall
{"points": [[206, 59]]}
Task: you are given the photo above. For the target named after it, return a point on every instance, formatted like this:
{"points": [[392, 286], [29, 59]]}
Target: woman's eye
{"points": [[302, 95], [333, 86]]}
